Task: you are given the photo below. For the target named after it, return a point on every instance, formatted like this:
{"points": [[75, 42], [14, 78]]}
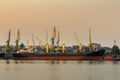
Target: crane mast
{"points": [[7, 47], [16, 48]]}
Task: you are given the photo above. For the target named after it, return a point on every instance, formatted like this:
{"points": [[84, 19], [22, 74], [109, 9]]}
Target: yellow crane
{"points": [[41, 43], [63, 48], [16, 48], [78, 42], [7, 47]]}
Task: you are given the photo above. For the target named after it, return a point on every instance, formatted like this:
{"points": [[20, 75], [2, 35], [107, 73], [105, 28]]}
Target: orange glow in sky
{"points": [[69, 17]]}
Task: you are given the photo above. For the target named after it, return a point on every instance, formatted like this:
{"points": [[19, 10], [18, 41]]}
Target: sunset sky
{"points": [[69, 17]]}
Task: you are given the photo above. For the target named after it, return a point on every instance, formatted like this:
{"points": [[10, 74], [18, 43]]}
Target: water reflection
{"points": [[59, 70], [54, 78], [79, 62], [16, 62], [7, 62], [52, 62], [57, 62], [115, 62], [95, 62], [39, 62]]}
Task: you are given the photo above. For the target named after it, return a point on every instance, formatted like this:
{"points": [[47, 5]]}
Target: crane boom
{"points": [[78, 42], [40, 41], [77, 39]]}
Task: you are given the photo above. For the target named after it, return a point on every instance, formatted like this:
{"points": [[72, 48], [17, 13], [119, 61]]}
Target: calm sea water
{"points": [[59, 70]]}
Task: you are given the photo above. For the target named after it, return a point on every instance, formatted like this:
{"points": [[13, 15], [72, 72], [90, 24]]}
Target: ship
{"points": [[93, 53], [98, 55]]}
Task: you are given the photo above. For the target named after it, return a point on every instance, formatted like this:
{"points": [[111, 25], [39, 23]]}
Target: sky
{"points": [[69, 16]]}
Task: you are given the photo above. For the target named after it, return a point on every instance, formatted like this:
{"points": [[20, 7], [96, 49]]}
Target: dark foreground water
{"points": [[59, 70]]}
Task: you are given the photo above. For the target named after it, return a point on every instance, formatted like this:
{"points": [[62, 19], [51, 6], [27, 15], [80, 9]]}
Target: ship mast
{"points": [[58, 39], [90, 41]]}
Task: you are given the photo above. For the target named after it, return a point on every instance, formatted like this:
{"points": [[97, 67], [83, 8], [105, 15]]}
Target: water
{"points": [[59, 70]]}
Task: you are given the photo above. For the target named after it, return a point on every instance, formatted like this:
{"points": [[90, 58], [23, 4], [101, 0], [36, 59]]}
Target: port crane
{"points": [[41, 43], [7, 47], [16, 48], [78, 42]]}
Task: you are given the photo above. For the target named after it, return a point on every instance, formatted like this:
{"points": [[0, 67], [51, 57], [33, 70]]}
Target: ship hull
{"points": [[2, 55], [70, 58], [59, 56]]}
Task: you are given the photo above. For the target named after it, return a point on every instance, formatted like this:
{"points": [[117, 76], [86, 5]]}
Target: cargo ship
{"points": [[98, 55], [92, 54]]}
